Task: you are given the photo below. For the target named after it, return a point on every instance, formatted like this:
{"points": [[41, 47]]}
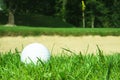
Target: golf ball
{"points": [[34, 52]]}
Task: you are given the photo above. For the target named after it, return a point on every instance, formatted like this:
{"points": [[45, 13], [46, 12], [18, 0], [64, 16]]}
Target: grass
{"points": [[75, 67], [64, 67], [35, 31]]}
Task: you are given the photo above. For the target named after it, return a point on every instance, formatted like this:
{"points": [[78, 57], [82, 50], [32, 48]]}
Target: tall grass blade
{"points": [[100, 54], [52, 48], [87, 49], [109, 71], [40, 62], [68, 50]]}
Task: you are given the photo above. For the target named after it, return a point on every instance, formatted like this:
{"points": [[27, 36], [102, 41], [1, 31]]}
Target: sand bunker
{"points": [[84, 44]]}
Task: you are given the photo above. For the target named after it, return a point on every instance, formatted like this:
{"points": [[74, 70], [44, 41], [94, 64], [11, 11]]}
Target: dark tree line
{"points": [[98, 13]]}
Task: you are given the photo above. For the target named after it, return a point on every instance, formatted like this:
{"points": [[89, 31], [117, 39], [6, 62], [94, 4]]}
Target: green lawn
{"points": [[36, 31], [75, 67]]}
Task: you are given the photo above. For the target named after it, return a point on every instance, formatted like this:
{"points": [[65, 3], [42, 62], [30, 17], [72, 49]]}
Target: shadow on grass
{"points": [[36, 21]]}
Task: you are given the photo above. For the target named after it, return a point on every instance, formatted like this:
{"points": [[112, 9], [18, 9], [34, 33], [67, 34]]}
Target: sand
{"points": [[55, 44]]}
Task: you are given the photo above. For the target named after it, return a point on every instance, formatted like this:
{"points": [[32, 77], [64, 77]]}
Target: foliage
{"points": [[114, 12], [73, 12], [1, 5], [74, 67], [98, 13]]}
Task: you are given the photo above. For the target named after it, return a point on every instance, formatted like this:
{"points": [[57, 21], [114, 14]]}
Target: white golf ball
{"points": [[34, 52]]}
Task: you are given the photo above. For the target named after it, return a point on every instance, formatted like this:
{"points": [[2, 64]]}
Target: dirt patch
{"points": [[84, 44]]}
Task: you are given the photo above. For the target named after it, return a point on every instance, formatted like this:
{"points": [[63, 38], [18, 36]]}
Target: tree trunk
{"points": [[92, 21], [11, 20], [83, 15], [63, 10]]}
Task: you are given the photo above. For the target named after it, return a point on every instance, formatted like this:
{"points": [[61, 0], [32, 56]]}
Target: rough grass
{"points": [[35, 31], [74, 67]]}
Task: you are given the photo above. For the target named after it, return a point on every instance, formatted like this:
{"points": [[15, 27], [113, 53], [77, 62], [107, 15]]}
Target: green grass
{"points": [[75, 67], [35, 31]]}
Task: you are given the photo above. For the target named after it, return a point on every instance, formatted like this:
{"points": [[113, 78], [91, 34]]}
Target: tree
{"points": [[1, 5], [83, 13], [61, 9], [114, 12], [73, 13], [11, 6], [96, 13], [45, 7]]}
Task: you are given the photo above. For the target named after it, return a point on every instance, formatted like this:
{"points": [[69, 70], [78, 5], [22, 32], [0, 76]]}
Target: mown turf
{"points": [[75, 67], [35, 31]]}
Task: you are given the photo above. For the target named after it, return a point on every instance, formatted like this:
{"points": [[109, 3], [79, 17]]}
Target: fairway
{"points": [[84, 44]]}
